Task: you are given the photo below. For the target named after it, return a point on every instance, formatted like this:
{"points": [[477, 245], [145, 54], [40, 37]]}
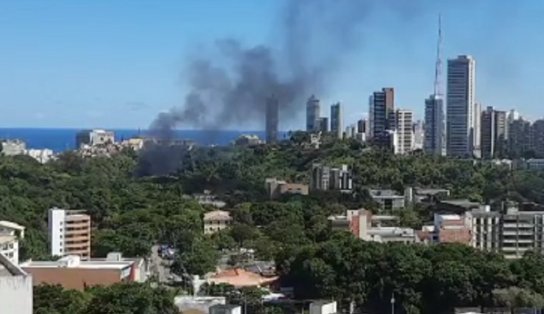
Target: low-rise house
{"points": [[72, 273], [457, 206], [248, 140], [452, 229], [239, 277], [41, 155], [135, 143], [275, 188], [216, 220], [207, 198], [15, 288]]}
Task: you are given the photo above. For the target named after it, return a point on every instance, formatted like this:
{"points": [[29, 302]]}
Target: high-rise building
{"points": [[418, 129], [488, 133], [537, 131], [403, 127], [323, 124], [381, 109], [313, 112], [361, 126], [434, 125], [462, 113], [519, 138], [272, 120], [493, 133], [336, 120], [69, 233]]}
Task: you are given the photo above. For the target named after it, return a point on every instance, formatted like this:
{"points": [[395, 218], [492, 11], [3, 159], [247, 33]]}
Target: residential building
{"points": [[434, 138], [485, 229], [366, 226], [462, 114], [225, 309], [534, 164], [216, 220], [425, 195], [381, 107], [15, 288], [452, 229], [418, 131], [326, 178], [537, 132], [388, 200], [10, 234], [323, 307], [13, 147], [140, 267], [337, 120], [73, 273], [320, 177], [493, 133], [313, 112], [323, 125], [272, 120], [403, 127], [275, 188], [457, 206], [519, 138], [209, 199], [135, 143], [41, 155], [95, 137], [69, 233]]}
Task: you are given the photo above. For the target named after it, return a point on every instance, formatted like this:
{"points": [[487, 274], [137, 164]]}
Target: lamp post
{"points": [[393, 303]]}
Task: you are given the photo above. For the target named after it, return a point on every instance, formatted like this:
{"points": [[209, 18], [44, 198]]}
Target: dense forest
{"points": [[130, 213]]}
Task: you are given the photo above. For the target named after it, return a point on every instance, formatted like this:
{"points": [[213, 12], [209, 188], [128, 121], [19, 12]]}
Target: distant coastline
{"points": [[63, 139]]}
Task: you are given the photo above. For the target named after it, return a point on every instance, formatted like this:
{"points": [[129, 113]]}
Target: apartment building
{"points": [[327, 178], [10, 234], [72, 273], [275, 188], [69, 233], [216, 220]]}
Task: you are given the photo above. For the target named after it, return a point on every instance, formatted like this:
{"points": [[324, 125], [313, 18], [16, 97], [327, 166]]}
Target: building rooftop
{"points": [[11, 225], [240, 278], [75, 262], [384, 194], [465, 203], [217, 215]]}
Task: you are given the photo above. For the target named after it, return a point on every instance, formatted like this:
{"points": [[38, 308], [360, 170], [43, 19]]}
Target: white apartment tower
{"points": [[463, 119], [69, 233], [434, 126], [404, 130]]}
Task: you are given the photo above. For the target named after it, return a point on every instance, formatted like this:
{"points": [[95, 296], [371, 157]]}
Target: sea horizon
{"points": [[63, 139]]}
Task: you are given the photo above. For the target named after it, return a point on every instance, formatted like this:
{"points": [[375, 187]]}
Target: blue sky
{"points": [[116, 64]]}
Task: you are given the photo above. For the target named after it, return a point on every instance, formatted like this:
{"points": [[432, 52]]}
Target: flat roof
{"points": [[12, 225], [81, 265], [462, 203]]}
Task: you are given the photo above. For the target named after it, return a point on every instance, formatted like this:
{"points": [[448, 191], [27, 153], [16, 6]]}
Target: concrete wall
{"points": [[16, 294]]}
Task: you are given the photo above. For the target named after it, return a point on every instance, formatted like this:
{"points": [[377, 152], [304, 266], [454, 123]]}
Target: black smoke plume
{"points": [[315, 35]]}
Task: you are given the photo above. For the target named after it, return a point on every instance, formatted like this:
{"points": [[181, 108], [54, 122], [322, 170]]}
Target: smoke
{"points": [[315, 36], [231, 89]]}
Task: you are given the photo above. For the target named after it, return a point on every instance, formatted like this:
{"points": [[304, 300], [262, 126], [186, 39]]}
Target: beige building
{"points": [[275, 188], [72, 273], [216, 220], [69, 233]]}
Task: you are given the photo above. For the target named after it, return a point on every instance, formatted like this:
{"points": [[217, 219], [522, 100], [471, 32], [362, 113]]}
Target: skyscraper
{"points": [[313, 112], [462, 114], [488, 136], [403, 122], [336, 120], [434, 125], [272, 120], [519, 137], [381, 109], [323, 124]]}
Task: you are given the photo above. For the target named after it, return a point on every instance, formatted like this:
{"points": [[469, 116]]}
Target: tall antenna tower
{"points": [[438, 65]]}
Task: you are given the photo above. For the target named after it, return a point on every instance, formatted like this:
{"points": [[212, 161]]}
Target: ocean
{"points": [[65, 139]]}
